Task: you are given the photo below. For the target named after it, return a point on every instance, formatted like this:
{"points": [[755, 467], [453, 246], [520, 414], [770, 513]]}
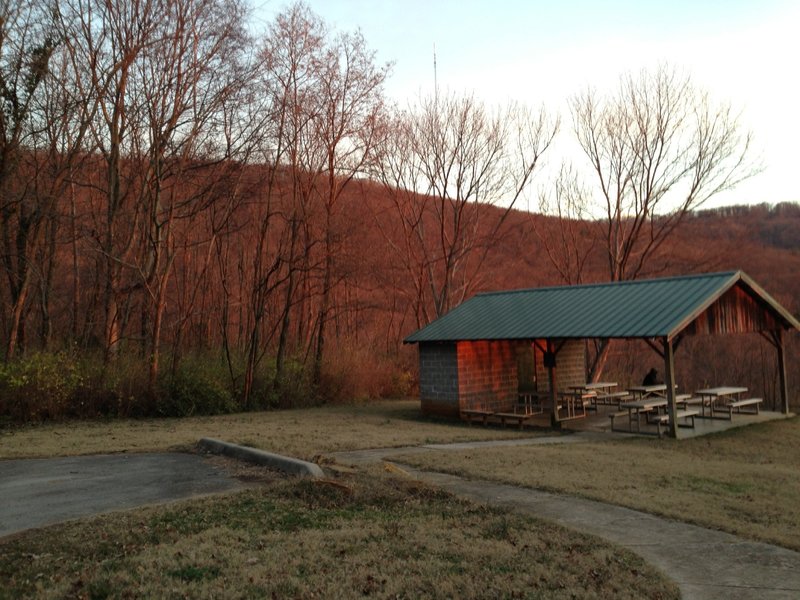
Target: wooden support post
{"points": [[782, 371], [550, 362], [669, 380]]}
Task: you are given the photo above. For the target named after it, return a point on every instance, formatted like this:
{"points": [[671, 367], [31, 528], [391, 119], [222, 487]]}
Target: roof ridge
{"points": [[610, 283]]}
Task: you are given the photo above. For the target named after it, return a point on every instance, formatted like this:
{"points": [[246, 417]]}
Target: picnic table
{"points": [[529, 405], [532, 401], [593, 391], [729, 395], [646, 391], [637, 408], [594, 386], [574, 404]]}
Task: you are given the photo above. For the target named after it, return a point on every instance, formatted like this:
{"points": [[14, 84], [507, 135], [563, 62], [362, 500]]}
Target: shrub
{"points": [[362, 373], [40, 386], [121, 387], [199, 386], [62, 385], [294, 390]]}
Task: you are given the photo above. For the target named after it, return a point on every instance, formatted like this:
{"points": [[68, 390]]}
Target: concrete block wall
{"points": [[438, 379], [570, 366]]}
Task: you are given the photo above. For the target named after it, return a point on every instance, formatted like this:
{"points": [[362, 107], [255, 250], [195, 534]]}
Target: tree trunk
{"points": [[324, 307], [599, 362], [15, 334], [155, 341], [283, 338], [112, 326]]}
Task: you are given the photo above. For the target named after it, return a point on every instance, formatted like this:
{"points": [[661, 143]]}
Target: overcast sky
{"points": [[746, 52]]}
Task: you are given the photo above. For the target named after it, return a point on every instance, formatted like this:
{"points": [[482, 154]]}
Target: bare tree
{"points": [[347, 124], [287, 82], [187, 81], [324, 96], [658, 148], [163, 77], [567, 239], [28, 37], [56, 151], [105, 40], [444, 162]]}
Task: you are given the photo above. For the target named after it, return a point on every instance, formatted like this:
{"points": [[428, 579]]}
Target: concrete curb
{"points": [[287, 464]]}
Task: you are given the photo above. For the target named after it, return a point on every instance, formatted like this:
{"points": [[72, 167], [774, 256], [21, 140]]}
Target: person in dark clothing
{"points": [[652, 378]]}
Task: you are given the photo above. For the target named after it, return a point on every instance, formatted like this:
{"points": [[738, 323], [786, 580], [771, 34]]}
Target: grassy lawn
{"points": [[302, 433], [361, 535], [745, 481], [371, 534]]}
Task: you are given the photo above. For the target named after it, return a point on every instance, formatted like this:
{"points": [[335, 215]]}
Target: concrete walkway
{"points": [[706, 564]]}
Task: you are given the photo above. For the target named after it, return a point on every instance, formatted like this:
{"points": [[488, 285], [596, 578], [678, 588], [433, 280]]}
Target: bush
{"points": [[40, 386], [294, 390], [199, 386], [362, 373], [61, 385]]}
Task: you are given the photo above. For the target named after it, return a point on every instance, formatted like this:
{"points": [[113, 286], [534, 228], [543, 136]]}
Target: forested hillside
{"points": [[211, 299]]}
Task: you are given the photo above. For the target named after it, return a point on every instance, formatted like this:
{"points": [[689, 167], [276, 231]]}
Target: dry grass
{"points": [[302, 433], [745, 481], [366, 535]]}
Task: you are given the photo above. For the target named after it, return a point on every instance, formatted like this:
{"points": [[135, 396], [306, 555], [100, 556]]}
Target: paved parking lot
{"points": [[39, 492]]}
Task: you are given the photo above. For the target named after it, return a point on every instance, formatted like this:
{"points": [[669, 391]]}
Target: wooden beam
{"points": [[669, 379], [782, 371], [551, 373], [550, 347], [770, 337], [677, 342], [653, 345]]}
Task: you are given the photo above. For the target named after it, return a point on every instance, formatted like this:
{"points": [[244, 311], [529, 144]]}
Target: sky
{"points": [[742, 52]]}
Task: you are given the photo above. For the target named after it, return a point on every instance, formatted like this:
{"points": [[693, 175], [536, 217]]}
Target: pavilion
{"points": [[478, 354]]}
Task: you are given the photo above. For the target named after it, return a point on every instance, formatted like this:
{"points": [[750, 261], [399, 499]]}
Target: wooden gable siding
{"points": [[736, 311]]}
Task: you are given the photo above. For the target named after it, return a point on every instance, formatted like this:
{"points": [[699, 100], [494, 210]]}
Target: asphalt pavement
{"points": [[38, 492]]}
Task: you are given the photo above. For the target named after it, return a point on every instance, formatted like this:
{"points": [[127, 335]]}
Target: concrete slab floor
{"points": [[599, 421]]}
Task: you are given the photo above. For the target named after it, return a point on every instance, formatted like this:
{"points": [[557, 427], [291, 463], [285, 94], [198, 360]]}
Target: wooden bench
{"points": [[738, 404], [663, 420], [619, 415], [476, 415], [520, 418], [631, 414], [612, 398], [689, 400]]}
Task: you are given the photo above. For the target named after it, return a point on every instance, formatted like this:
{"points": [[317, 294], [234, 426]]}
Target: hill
{"points": [[261, 268]]}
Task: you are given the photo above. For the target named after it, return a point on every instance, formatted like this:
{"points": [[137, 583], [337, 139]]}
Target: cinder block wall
{"points": [[487, 375], [570, 366], [438, 379]]}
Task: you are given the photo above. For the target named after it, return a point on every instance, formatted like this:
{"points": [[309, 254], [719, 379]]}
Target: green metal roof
{"points": [[628, 309]]}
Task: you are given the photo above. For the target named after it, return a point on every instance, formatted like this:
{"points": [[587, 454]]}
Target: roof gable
{"points": [[644, 308]]}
